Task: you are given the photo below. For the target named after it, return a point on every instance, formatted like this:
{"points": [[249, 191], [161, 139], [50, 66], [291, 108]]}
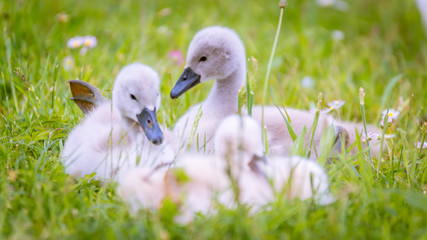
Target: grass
{"points": [[384, 51]]}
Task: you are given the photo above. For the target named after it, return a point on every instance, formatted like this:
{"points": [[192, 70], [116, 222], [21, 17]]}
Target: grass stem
{"points": [[276, 38], [362, 111]]}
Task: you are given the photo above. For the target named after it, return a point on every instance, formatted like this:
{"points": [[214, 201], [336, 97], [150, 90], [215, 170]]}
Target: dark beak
{"points": [[187, 80], [148, 121], [253, 164]]}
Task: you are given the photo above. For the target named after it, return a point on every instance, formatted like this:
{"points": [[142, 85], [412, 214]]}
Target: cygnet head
{"points": [[214, 53], [136, 96], [239, 139]]}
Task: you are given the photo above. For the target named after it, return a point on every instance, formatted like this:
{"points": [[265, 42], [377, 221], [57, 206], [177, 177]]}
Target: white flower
{"points": [[337, 35], [370, 136], [333, 105], [392, 115], [68, 63], [388, 136], [75, 42], [376, 136], [87, 42], [90, 41], [307, 82], [336, 104]]}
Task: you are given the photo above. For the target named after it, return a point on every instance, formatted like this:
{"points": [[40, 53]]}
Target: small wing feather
{"points": [[85, 95]]}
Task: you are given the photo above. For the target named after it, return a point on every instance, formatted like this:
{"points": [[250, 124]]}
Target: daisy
{"points": [[90, 41], [75, 42], [389, 136], [370, 136], [87, 42], [333, 105], [376, 136], [392, 116], [68, 63]]}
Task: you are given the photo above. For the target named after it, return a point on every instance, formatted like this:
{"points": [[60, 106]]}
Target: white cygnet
{"points": [[218, 53], [237, 173], [122, 134]]}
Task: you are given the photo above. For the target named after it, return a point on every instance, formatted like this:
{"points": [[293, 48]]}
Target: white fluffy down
{"points": [[142, 188], [226, 63], [297, 177], [208, 179], [109, 139]]}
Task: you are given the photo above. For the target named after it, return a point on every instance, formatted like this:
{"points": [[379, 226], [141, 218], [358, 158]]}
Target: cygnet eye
{"points": [[202, 59], [133, 97]]}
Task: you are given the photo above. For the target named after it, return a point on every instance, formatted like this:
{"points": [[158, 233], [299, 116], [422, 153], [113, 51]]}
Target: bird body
{"points": [[214, 53], [218, 53], [121, 134], [237, 173]]}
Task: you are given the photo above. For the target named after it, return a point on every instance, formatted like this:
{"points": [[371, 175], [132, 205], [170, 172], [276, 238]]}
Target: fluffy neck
{"points": [[224, 94], [131, 127]]}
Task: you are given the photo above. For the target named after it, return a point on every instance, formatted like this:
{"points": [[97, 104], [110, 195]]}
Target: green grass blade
{"points": [[270, 61], [288, 124]]}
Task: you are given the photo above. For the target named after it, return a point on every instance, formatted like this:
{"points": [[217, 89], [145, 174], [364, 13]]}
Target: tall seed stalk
{"points": [[282, 6]]}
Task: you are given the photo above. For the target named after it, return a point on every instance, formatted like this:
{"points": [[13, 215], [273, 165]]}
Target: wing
{"points": [[85, 95]]}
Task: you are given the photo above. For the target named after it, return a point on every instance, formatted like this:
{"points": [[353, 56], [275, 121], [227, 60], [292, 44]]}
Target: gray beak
{"points": [[188, 80], [253, 164], [149, 124]]}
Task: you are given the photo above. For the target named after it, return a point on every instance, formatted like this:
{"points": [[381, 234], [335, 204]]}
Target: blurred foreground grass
{"points": [[384, 47]]}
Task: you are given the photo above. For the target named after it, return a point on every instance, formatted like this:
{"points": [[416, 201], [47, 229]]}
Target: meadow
{"points": [[377, 45]]}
